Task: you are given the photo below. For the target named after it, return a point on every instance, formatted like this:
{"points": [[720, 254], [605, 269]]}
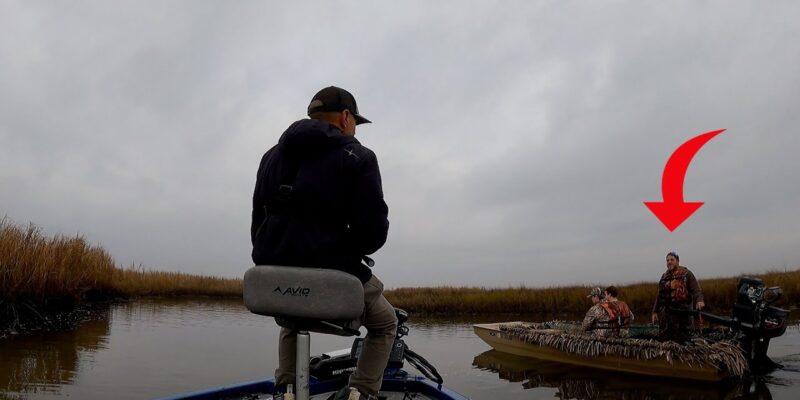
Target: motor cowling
{"points": [[757, 320]]}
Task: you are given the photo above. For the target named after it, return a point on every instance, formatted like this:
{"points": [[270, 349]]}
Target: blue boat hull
{"points": [[400, 382]]}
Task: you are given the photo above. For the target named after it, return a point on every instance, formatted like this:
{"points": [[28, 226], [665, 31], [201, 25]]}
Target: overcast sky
{"points": [[517, 140]]}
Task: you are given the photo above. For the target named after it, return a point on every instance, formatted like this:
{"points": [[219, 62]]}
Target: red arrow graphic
{"points": [[673, 210]]}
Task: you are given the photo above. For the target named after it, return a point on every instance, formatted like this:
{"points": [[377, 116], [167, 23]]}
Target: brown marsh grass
{"points": [[34, 267], [720, 293], [153, 283]]}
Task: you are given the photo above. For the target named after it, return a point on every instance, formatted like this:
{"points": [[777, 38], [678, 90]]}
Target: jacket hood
{"points": [[309, 136]]}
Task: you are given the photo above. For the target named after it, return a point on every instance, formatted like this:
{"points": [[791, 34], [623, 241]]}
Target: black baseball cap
{"points": [[337, 99]]}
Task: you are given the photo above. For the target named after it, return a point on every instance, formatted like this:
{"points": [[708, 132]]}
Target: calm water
{"points": [[156, 348]]}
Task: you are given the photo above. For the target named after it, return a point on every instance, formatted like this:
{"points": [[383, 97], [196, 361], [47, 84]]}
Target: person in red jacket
{"points": [[609, 317], [620, 315]]}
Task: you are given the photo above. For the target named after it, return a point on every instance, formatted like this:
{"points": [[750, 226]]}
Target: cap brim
{"points": [[361, 120]]}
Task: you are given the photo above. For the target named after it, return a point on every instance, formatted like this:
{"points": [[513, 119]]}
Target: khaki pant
{"points": [[381, 322]]}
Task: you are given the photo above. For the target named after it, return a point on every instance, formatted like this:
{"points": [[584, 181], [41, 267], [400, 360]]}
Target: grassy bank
{"points": [[41, 275], [33, 265], [569, 301]]}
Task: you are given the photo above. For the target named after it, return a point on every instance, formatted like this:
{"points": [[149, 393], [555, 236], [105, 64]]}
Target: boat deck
{"points": [[398, 386], [326, 396]]}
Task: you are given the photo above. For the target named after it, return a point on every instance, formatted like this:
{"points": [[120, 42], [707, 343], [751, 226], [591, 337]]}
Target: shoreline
{"points": [[719, 293], [32, 319], [27, 317], [52, 282]]}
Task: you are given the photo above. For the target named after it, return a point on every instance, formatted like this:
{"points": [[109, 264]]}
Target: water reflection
{"points": [[41, 363], [584, 384], [154, 348]]}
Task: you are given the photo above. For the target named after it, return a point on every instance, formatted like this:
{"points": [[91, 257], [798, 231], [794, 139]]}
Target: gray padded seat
{"points": [[305, 298]]}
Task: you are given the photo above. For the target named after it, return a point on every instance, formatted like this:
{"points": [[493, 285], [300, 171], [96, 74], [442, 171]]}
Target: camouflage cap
{"points": [[596, 292]]}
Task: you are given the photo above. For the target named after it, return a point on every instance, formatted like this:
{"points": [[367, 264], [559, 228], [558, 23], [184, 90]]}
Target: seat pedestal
{"points": [[305, 300], [302, 363]]}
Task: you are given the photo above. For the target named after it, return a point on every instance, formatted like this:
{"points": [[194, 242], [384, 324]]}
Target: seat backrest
{"points": [[303, 293]]}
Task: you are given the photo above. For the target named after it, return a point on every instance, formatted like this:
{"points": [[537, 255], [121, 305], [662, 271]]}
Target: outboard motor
{"points": [[757, 320], [754, 320]]}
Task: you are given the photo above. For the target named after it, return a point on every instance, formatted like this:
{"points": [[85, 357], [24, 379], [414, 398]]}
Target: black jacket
{"points": [[318, 201]]}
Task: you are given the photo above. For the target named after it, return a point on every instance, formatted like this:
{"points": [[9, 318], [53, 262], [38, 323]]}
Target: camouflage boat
{"points": [[743, 348]]}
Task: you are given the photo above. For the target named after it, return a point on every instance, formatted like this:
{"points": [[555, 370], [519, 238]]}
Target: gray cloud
{"points": [[517, 140]]}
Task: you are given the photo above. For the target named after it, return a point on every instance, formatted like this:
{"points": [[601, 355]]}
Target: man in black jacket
{"points": [[318, 202]]}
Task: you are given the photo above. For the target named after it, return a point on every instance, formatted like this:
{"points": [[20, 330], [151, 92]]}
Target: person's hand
{"points": [[700, 305], [655, 318]]}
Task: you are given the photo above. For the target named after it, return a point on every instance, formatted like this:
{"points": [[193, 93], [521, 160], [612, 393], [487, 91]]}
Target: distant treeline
{"points": [[571, 301], [40, 273]]}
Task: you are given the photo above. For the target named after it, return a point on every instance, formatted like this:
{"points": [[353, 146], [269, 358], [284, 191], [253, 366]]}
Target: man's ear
{"points": [[343, 118]]}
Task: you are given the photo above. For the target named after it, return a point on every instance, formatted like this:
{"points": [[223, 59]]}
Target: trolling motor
{"points": [[754, 320], [339, 364]]}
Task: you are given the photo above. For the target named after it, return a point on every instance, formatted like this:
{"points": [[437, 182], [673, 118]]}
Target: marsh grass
{"points": [[720, 293], [35, 267], [133, 282]]}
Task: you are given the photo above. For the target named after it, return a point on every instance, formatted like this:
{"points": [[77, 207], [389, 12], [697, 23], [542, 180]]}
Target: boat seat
{"points": [[306, 299]]}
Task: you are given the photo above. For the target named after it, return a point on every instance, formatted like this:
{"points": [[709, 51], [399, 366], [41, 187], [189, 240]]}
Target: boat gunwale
{"points": [[392, 383], [660, 366]]}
